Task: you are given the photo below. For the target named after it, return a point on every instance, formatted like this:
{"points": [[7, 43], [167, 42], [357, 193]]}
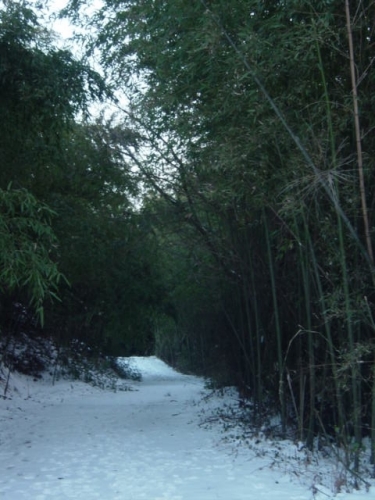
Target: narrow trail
{"points": [[72, 441]]}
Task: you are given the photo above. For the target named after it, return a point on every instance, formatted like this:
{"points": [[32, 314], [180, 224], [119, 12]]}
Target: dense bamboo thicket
{"points": [[257, 121]]}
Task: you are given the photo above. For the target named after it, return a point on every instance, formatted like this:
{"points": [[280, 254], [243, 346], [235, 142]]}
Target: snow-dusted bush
{"points": [[124, 370]]}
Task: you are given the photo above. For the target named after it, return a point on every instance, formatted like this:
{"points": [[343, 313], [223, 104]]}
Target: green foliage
{"points": [[106, 248], [252, 208], [70, 209], [41, 91], [26, 243]]}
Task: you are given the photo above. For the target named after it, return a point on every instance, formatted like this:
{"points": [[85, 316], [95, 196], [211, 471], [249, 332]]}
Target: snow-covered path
{"points": [[72, 441]]}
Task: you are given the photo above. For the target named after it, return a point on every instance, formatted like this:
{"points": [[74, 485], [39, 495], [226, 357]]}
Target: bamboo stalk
{"points": [[372, 458], [331, 347], [363, 200], [311, 354], [258, 330], [277, 326], [373, 420], [358, 134], [355, 392]]}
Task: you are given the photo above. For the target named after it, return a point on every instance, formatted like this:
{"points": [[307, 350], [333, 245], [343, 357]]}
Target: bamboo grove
{"points": [[250, 125], [257, 127]]}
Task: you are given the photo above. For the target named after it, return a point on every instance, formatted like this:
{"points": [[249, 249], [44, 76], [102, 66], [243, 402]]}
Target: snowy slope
{"points": [[162, 440]]}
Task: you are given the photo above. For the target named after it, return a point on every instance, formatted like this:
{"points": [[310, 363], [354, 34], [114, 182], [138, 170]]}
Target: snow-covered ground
{"points": [[161, 440]]}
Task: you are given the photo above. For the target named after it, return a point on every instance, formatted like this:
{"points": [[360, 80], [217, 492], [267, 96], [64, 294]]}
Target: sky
{"points": [[61, 26], [65, 32]]}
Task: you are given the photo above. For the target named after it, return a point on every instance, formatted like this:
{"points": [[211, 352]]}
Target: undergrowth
{"points": [[39, 358], [242, 431]]}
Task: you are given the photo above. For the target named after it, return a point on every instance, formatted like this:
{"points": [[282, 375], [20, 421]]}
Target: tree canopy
{"points": [[73, 248]]}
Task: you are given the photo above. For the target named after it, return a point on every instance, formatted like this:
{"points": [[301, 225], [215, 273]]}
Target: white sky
{"points": [[61, 26]]}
